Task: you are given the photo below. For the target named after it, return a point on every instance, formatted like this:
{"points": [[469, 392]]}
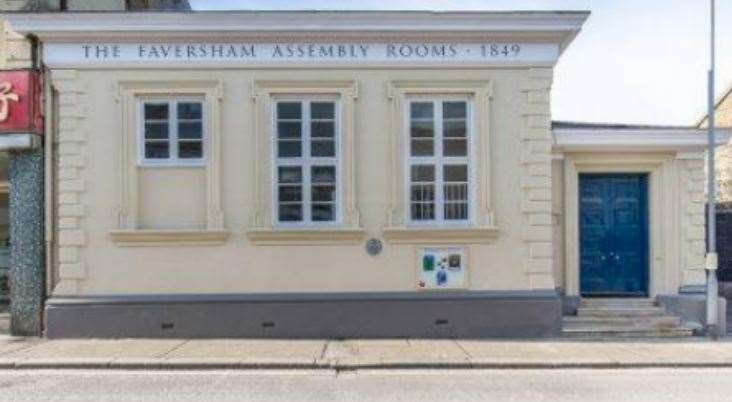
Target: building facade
{"points": [[723, 157], [346, 174]]}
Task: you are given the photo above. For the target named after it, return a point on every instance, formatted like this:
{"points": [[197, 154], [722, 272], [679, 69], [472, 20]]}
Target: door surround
{"points": [[663, 203]]}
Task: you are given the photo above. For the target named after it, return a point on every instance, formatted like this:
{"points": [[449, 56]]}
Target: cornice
{"points": [[556, 26], [588, 139]]}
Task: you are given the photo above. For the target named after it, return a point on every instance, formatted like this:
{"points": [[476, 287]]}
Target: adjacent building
{"points": [[347, 174]]}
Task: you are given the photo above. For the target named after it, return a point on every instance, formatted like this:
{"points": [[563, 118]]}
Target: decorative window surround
{"points": [[427, 235], [310, 236], [263, 229], [482, 225], [148, 237], [129, 232]]}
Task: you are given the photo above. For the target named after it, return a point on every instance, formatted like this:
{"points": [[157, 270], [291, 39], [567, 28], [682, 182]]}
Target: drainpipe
{"points": [[48, 139], [711, 258]]}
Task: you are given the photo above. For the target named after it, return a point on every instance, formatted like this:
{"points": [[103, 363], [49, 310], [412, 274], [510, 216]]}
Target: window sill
{"points": [[165, 237], [295, 237], [440, 235]]}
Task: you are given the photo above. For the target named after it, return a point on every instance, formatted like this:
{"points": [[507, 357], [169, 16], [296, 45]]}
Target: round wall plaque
{"points": [[374, 247]]}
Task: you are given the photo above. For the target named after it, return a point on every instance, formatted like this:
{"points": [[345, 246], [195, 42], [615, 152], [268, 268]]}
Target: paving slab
{"points": [[680, 353], [9, 344], [249, 352], [97, 348], [507, 352], [393, 353]]}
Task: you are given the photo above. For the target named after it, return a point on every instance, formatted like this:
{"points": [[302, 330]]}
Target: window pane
{"points": [[323, 193], [421, 110], [289, 110], [455, 148], [323, 212], [455, 173], [190, 130], [423, 211], [189, 110], [322, 129], [290, 193], [289, 129], [455, 128], [455, 192], [423, 173], [453, 110], [422, 192], [456, 211], [190, 149], [422, 129], [154, 111], [322, 110], [423, 148], [322, 149], [156, 131], [289, 149], [290, 174], [157, 150], [290, 212], [323, 174]]}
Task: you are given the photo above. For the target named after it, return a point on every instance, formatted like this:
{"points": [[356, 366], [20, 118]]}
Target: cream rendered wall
{"points": [[172, 197], [520, 257]]}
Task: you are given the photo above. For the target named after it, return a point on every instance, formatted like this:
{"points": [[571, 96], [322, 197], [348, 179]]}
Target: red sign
{"points": [[20, 102]]}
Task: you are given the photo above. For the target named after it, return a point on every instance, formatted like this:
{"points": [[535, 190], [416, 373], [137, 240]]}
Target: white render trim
{"points": [[62, 26], [306, 162], [173, 140], [662, 139], [11, 142]]}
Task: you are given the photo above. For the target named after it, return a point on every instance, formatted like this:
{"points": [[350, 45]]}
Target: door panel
{"points": [[613, 234]]}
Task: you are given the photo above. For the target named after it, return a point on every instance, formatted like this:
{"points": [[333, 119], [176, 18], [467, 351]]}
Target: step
{"points": [[625, 335], [620, 311], [665, 321], [630, 302], [625, 332]]}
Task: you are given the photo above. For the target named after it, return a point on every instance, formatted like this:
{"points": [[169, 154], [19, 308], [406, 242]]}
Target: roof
{"points": [[720, 100], [615, 126], [559, 26], [617, 137]]}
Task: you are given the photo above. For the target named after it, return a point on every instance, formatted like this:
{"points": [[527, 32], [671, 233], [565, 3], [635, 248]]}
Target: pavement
{"points": [[345, 355]]}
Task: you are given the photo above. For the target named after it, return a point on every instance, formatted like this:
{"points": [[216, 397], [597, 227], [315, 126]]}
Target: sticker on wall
{"points": [[441, 268]]}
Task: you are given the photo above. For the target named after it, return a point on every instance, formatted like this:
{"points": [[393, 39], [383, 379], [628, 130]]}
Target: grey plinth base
{"points": [[27, 268], [690, 305], [346, 315]]}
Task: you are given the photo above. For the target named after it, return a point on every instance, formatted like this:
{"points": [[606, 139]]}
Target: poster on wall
{"points": [[441, 268]]}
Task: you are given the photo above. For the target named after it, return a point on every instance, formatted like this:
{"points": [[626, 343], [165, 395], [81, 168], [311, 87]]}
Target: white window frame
{"points": [[439, 162], [306, 162], [173, 140]]}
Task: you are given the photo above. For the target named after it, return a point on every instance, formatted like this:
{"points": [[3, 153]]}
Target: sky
{"points": [[635, 61]]}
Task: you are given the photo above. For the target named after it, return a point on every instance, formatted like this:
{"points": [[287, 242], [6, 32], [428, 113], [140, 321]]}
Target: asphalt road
{"points": [[667, 385]]}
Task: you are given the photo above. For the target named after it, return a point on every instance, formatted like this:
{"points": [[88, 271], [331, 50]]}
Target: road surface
{"points": [[619, 385]]}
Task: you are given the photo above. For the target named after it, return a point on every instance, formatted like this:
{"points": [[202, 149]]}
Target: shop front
{"points": [[344, 174]]}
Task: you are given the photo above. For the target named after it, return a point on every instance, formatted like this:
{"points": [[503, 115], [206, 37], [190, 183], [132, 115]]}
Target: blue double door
{"points": [[613, 232]]}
